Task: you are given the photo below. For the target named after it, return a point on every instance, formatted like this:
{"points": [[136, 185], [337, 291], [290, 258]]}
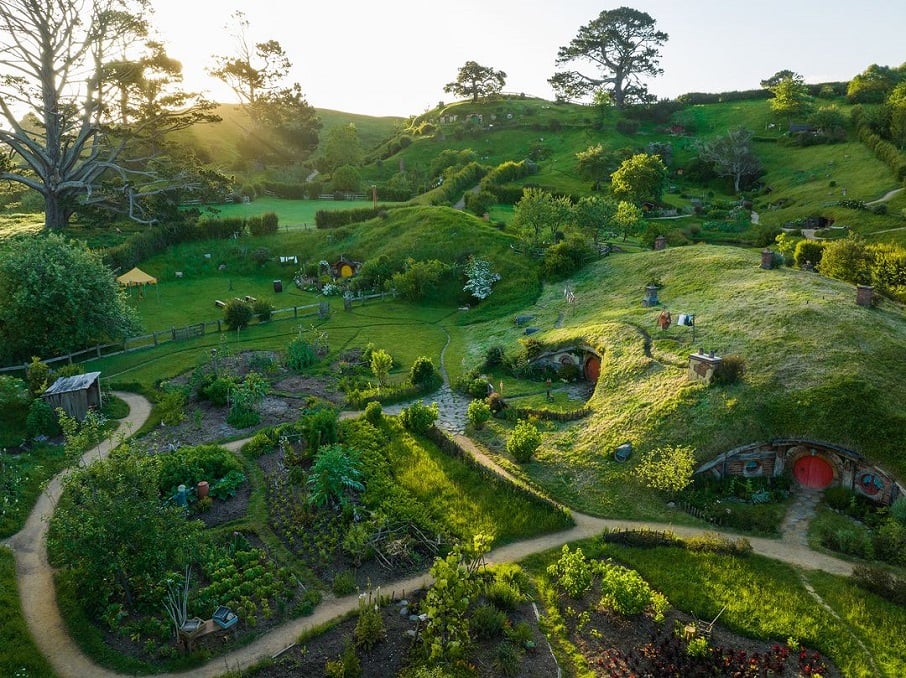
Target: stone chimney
{"points": [[767, 259], [703, 366], [650, 296], [660, 243], [864, 295]]}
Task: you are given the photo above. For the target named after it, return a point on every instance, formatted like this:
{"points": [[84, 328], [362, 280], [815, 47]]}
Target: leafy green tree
{"points": [[791, 97], [829, 121], [896, 110], [594, 164], [539, 216], [623, 590], [421, 280], [346, 178], [623, 45], [873, 85], [286, 125], [523, 441], [731, 155], [343, 147], [476, 81], [595, 215], [58, 297], [114, 533], [335, 475], [628, 219], [381, 363], [667, 469], [640, 178]]}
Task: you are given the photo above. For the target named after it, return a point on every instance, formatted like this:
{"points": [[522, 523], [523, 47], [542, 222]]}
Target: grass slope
{"points": [[818, 366]]}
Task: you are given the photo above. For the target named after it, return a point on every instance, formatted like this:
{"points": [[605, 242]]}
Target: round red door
{"points": [[592, 369], [813, 471]]}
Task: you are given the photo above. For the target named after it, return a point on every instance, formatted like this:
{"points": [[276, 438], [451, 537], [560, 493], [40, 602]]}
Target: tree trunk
{"points": [[56, 215]]}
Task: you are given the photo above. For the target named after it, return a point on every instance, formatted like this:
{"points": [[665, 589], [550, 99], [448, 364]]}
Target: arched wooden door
{"points": [[592, 369], [813, 471]]}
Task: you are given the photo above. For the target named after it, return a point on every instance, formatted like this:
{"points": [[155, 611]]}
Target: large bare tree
{"points": [[81, 102]]}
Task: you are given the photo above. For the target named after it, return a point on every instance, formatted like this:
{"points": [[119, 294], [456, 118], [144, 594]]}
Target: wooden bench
{"points": [[219, 304], [250, 299]]}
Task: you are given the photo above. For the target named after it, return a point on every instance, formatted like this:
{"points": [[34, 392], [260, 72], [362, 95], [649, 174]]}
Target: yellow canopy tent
{"points": [[136, 277]]}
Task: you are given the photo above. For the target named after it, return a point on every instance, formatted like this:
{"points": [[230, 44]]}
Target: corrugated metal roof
{"points": [[79, 382]]}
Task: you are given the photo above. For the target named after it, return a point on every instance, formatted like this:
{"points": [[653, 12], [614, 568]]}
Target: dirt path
{"points": [[36, 590]]}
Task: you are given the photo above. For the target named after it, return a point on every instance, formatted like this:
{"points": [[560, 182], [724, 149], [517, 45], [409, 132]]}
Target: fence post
{"points": [[295, 311], [154, 336], [99, 350], [218, 327]]}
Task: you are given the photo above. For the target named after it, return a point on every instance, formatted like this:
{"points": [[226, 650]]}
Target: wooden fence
{"points": [[152, 339]]}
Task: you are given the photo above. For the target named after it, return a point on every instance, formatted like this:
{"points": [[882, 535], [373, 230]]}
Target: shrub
{"points": [[623, 590], [343, 583], [37, 374], [171, 405], [218, 391], [572, 573], [41, 420], [422, 372], [238, 314], [347, 666], [507, 658], [419, 417], [478, 413], [729, 371], [898, 510], [838, 498], [13, 392], [523, 442], [300, 354], [808, 252], [628, 127], [881, 582], [667, 469], [263, 310], [488, 622], [373, 413], [369, 629], [890, 542]]}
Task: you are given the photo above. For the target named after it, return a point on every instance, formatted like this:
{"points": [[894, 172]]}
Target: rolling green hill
{"points": [[817, 365]]}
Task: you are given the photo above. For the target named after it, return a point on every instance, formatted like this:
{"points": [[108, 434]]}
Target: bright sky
{"points": [[393, 57]]}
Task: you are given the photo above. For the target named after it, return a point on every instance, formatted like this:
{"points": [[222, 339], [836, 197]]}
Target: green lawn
{"points": [[292, 214]]}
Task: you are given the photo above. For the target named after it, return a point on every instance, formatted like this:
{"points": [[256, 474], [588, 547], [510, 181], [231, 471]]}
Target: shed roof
{"points": [[79, 382]]}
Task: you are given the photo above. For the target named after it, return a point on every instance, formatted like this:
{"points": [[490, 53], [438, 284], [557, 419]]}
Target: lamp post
{"points": [[373, 197]]}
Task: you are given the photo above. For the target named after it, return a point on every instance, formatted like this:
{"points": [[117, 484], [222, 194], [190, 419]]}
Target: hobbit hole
{"points": [[812, 464]]}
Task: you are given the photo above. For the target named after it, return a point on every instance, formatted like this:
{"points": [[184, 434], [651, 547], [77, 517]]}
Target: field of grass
{"points": [[291, 214], [767, 599]]}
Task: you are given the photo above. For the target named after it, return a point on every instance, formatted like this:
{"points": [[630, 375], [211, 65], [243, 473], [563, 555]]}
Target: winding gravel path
{"points": [[36, 589]]}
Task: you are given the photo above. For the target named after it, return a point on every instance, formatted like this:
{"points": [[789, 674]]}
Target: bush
{"points": [[373, 413], [41, 420], [369, 629], [422, 372], [628, 127], [808, 252], [488, 622], [263, 310], [218, 391], [419, 417], [623, 590], [343, 583], [507, 659], [300, 354], [238, 314], [478, 413], [729, 371], [13, 393], [890, 542], [523, 442], [881, 582]]}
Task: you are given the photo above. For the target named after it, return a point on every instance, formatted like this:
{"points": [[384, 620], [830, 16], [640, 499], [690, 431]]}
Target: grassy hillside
{"points": [[817, 365]]}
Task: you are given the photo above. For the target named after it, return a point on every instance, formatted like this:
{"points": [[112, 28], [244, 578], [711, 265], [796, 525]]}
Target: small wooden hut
{"points": [[75, 395]]}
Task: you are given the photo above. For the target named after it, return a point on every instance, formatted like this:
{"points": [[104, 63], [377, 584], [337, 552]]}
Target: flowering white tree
{"points": [[479, 278]]}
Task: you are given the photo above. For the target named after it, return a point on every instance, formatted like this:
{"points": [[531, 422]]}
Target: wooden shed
{"points": [[75, 395]]}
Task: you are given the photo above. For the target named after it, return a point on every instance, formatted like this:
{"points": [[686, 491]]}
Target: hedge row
{"points": [[456, 183], [338, 218], [145, 244], [884, 151]]}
